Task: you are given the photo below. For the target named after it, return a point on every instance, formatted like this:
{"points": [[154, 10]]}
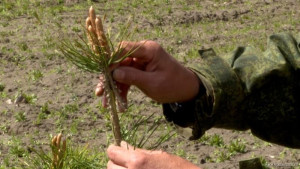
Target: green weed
{"points": [[74, 126], [4, 128], [216, 140], [2, 87], [40, 117], [7, 50], [221, 156], [37, 17], [76, 29], [7, 33], [204, 139], [283, 154], [70, 108], [4, 112], [264, 163], [237, 146], [139, 132], [23, 46], [30, 98], [181, 153], [16, 147], [20, 116], [35, 75], [43, 114], [75, 157], [45, 109]]}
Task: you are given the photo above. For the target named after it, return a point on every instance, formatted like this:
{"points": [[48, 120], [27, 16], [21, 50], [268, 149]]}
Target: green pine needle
{"points": [[80, 53]]}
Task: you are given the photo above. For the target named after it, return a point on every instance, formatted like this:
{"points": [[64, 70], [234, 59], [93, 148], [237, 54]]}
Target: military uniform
{"points": [[247, 89]]}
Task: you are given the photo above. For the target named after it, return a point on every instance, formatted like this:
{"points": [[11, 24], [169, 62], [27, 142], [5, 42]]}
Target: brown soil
{"points": [[62, 84]]}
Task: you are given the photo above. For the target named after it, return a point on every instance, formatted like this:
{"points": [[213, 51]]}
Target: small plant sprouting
{"points": [[45, 109], [216, 140], [31, 99], [43, 114], [237, 146], [37, 17], [58, 151], [221, 156], [97, 55], [20, 116], [16, 148], [64, 155], [35, 75], [23, 46], [1, 87]]}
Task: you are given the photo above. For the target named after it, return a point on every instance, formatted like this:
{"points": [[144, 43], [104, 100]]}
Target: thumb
{"points": [[132, 76], [127, 146], [130, 147]]}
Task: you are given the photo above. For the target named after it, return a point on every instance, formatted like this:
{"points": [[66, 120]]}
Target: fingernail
{"points": [[118, 74], [97, 91]]}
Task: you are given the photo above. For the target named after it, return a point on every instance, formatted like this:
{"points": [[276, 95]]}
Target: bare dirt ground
{"points": [[61, 98]]}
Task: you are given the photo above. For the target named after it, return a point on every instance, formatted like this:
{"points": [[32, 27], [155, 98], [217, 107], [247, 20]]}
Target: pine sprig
{"points": [[97, 54]]}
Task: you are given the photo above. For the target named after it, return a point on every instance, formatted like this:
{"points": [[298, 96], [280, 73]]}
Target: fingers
{"points": [[125, 62], [99, 89], [123, 89], [100, 86], [142, 50], [129, 47], [118, 155], [111, 165], [122, 101], [104, 101], [126, 145], [132, 76], [131, 148]]}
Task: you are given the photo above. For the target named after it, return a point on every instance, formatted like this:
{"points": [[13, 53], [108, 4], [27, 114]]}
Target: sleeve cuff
{"points": [[189, 114], [217, 101]]}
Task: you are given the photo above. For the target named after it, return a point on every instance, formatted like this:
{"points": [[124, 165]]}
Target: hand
{"points": [[155, 72], [126, 157]]}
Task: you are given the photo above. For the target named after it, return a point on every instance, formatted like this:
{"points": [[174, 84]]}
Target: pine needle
{"points": [[97, 54]]}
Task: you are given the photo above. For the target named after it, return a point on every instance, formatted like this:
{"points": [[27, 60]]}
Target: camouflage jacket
{"points": [[247, 89]]}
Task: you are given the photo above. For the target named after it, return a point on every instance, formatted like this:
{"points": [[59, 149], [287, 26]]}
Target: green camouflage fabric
{"points": [[248, 89]]}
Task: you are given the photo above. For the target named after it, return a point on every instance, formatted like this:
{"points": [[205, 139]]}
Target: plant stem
{"points": [[111, 89]]}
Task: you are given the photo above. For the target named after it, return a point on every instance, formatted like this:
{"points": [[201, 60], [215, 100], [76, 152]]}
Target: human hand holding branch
{"points": [[155, 72], [128, 157], [161, 77]]}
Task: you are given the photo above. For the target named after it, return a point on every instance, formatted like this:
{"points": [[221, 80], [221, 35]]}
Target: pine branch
{"points": [[96, 55]]}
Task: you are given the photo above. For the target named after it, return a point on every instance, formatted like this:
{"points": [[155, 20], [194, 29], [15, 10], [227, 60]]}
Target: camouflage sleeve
{"points": [[247, 89]]}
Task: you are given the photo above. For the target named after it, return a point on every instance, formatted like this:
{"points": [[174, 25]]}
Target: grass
{"points": [[20, 116], [75, 157], [29, 98], [43, 114], [35, 75], [237, 146], [4, 128], [62, 103], [138, 134], [142, 130], [216, 140], [2, 87], [16, 148]]}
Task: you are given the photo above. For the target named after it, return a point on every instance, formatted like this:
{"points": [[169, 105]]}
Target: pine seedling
{"points": [[97, 55], [58, 151]]}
